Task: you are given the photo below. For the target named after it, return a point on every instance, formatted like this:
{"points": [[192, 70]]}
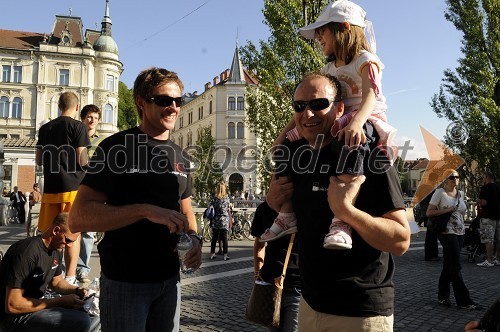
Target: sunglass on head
{"points": [[315, 105], [164, 100], [453, 177]]}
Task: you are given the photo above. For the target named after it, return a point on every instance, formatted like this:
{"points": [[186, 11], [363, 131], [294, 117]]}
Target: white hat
{"points": [[337, 11]]}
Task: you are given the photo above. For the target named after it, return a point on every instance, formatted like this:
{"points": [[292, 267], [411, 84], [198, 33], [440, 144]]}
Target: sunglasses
{"points": [[164, 100], [315, 105], [453, 177]]}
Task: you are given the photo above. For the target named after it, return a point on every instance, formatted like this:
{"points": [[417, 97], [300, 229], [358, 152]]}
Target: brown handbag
{"points": [[264, 304]]}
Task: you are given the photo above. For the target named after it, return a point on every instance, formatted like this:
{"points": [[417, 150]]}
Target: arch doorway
{"points": [[235, 183]]}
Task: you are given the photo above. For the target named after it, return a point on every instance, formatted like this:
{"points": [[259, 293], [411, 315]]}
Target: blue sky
{"points": [[197, 38]]}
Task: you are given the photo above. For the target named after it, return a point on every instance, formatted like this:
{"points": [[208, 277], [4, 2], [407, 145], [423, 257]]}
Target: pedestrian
{"points": [[489, 199], [62, 151], [35, 199], [341, 290], [268, 263], [220, 222], [28, 267], [431, 250], [138, 191], [444, 200], [18, 200], [340, 31], [90, 115]]}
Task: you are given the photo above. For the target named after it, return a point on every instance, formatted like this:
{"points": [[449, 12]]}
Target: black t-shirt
{"points": [[59, 140], [132, 168], [29, 265], [275, 251], [356, 282], [491, 193]]}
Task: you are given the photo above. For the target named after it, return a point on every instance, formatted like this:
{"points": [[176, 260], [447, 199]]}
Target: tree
{"points": [[127, 115], [208, 173], [470, 95], [278, 64]]}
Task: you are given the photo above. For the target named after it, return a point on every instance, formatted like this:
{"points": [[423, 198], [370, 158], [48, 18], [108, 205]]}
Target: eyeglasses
{"points": [[453, 177], [315, 105], [164, 100]]}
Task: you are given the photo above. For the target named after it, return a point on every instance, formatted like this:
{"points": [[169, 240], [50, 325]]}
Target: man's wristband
{"points": [[193, 234]]}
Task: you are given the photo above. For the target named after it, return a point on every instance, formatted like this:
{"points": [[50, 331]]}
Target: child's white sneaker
{"points": [[339, 236], [285, 223]]}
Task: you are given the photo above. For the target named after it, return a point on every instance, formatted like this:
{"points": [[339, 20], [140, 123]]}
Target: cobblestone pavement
{"points": [[214, 297]]}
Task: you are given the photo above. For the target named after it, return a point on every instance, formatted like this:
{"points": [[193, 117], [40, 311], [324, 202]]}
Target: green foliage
{"points": [[127, 115], [470, 95], [208, 173], [279, 64]]}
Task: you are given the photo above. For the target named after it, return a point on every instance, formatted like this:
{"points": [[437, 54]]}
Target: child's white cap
{"points": [[337, 11]]}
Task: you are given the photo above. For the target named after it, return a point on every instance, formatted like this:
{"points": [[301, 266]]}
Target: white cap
{"points": [[337, 11]]}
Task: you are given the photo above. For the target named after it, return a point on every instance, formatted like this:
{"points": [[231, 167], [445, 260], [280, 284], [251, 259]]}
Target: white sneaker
{"points": [[486, 264], [496, 262]]}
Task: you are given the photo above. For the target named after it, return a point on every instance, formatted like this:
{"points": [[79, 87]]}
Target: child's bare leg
{"points": [[339, 236], [285, 223]]}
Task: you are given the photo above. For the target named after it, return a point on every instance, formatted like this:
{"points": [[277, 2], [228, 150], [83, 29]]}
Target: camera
{"points": [[491, 319]]}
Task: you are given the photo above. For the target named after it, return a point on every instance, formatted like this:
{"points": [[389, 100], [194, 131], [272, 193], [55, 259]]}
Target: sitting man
{"points": [[29, 266]]}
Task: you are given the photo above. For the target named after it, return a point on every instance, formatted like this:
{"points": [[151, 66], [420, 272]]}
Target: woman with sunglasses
{"points": [[339, 30], [449, 199]]}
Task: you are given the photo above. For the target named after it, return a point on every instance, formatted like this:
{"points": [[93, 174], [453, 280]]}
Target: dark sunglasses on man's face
{"points": [[453, 177], [315, 105], [165, 101]]}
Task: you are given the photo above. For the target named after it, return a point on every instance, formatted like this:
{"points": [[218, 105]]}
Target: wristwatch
{"points": [[197, 236]]}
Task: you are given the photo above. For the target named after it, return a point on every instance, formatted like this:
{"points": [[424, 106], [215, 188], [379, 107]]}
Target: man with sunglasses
{"points": [[138, 191], [29, 266], [341, 289]]}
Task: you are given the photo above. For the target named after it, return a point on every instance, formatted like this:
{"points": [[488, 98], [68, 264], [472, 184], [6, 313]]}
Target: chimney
{"points": [[207, 86], [227, 73], [216, 80], [222, 78]]}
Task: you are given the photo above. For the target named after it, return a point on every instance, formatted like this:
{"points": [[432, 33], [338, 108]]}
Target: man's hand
{"points": [[193, 256], [280, 191], [471, 327], [175, 221], [342, 195], [71, 301]]}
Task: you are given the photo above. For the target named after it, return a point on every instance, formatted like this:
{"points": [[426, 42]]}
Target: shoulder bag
{"points": [[439, 223], [264, 304]]}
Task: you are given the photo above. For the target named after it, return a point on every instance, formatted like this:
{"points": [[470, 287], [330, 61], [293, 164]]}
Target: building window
{"points": [[241, 104], [230, 130], [108, 114], [190, 118], [189, 139], [210, 108], [231, 105], [17, 108], [181, 141], [110, 83], [64, 77], [4, 107], [240, 130], [6, 73], [18, 74], [181, 122], [200, 113]]}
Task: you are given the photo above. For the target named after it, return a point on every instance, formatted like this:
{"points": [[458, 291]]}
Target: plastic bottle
{"points": [[94, 288], [184, 244]]}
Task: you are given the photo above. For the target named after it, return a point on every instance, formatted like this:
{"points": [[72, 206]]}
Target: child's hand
{"points": [[353, 134]]}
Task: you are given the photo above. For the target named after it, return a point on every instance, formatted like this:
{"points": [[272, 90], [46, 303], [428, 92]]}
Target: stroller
{"points": [[472, 241]]}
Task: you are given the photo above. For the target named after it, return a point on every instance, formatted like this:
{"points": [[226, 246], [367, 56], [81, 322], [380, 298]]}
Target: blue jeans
{"points": [[50, 320], [289, 313], [137, 307], [86, 245], [451, 273]]}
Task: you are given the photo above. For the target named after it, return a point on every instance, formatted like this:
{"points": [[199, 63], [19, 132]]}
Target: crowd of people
{"points": [[347, 209]]}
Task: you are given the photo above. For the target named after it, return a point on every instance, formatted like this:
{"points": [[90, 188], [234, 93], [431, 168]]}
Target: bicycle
{"points": [[241, 226]]}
